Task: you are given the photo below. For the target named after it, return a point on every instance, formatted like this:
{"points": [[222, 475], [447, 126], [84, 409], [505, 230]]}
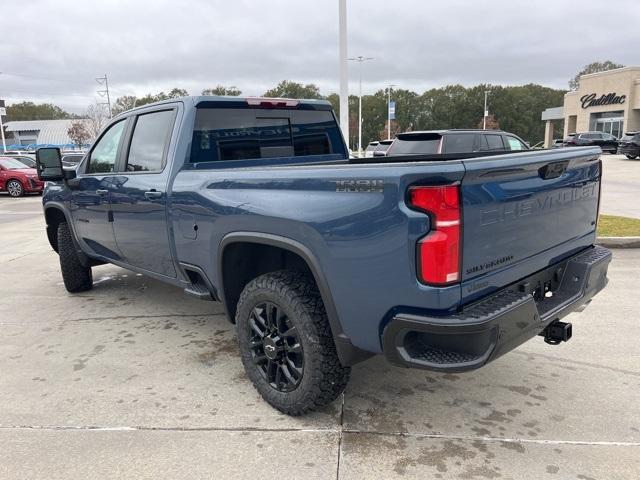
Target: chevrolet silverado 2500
{"points": [[442, 262]]}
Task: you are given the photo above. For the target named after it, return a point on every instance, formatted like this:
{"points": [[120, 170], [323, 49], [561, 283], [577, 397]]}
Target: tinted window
{"points": [[514, 144], [459, 143], [592, 136], [243, 133], [494, 142], [414, 144], [104, 154], [150, 138]]}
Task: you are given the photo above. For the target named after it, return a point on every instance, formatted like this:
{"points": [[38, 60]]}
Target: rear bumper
{"points": [[496, 324]]}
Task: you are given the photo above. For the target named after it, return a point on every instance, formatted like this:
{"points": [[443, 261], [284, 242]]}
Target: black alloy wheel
{"points": [[275, 347]]}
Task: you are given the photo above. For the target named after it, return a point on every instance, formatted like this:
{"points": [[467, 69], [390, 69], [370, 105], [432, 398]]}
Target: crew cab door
{"points": [[139, 202], [91, 193]]}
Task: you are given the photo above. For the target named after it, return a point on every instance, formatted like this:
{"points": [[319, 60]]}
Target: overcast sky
{"points": [[52, 50]]}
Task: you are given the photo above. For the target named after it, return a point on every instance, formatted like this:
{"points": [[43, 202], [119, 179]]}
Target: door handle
{"points": [[102, 192], [152, 194]]}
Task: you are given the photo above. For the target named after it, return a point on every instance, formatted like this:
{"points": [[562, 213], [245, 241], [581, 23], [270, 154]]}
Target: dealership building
{"points": [[605, 102]]}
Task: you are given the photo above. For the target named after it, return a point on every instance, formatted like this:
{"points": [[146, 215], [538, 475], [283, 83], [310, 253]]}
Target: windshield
{"points": [[629, 136], [12, 164]]}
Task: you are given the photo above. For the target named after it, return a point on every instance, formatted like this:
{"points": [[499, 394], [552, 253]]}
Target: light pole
{"points": [[389, 87], [360, 59], [344, 70], [484, 118]]}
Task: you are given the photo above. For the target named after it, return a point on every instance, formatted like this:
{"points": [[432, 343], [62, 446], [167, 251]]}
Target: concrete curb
{"points": [[619, 242]]}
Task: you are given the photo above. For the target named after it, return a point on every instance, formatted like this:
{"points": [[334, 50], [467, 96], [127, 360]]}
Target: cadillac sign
{"points": [[590, 100]]}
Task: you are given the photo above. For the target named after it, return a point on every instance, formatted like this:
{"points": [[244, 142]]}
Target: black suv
{"points": [[455, 141], [629, 145], [606, 141]]}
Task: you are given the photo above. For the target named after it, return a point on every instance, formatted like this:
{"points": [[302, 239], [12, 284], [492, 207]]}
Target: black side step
{"points": [[198, 290], [199, 286]]}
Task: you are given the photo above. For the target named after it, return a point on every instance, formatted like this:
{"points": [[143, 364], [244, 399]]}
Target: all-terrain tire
{"points": [[76, 277], [298, 304]]}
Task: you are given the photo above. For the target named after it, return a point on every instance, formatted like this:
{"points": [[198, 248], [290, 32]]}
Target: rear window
{"points": [[494, 142], [459, 143], [414, 144], [246, 133], [383, 146]]}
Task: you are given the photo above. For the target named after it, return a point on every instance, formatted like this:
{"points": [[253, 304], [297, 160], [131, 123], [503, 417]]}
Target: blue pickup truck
{"points": [[441, 262]]}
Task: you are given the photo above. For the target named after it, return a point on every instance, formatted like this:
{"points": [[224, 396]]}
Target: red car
{"points": [[17, 179]]}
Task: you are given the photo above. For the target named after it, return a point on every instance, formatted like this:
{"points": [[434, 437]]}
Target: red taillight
{"points": [[439, 251], [272, 102]]}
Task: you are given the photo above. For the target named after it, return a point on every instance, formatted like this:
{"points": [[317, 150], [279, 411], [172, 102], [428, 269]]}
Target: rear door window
{"points": [[494, 142], [150, 139], [459, 143], [245, 133]]}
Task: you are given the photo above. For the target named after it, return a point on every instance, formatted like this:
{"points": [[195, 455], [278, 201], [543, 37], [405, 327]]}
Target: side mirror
{"points": [[49, 164]]}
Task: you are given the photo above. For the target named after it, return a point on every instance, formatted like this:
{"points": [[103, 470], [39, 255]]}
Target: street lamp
{"points": [[389, 87], [360, 61], [484, 118]]}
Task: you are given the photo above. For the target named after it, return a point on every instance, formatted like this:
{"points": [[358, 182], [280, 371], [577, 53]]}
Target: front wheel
{"points": [[76, 276], [286, 343], [15, 188]]}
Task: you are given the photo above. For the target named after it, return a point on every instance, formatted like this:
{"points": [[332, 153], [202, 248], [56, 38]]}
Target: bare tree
{"points": [[97, 117], [78, 133]]}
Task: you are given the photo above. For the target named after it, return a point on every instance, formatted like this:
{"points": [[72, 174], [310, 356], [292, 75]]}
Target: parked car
{"points": [[368, 152], [629, 145], [557, 143], [25, 159], [606, 141], [455, 141], [325, 261], [17, 179], [382, 147]]}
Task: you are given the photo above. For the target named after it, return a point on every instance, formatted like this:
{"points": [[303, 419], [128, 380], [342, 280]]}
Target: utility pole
{"points": [[486, 113], [389, 87], [104, 81], [360, 59], [344, 70], [3, 111]]}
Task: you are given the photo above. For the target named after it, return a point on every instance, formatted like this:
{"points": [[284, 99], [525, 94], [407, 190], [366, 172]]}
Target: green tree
{"points": [[288, 89], [128, 102], [594, 67], [36, 111], [222, 91]]}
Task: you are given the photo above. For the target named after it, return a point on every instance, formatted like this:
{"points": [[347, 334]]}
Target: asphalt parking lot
{"points": [[136, 380]]}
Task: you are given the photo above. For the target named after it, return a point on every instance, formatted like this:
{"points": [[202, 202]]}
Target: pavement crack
{"points": [[473, 438], [340, 430]]}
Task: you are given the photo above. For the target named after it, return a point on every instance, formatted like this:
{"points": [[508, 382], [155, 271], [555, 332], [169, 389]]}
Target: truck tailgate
{"points": [[523, 212]]}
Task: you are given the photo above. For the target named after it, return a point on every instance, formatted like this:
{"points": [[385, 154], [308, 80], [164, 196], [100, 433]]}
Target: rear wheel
{"points": [[286, 343], [631, 157], [15, 189], [76, 277]]}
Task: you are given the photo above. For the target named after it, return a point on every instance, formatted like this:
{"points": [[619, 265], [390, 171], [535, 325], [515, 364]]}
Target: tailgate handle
{"points": [[552, 170]]}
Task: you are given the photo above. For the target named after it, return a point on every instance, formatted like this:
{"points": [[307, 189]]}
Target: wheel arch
{"points": [[281, 252], [54, 216]]}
